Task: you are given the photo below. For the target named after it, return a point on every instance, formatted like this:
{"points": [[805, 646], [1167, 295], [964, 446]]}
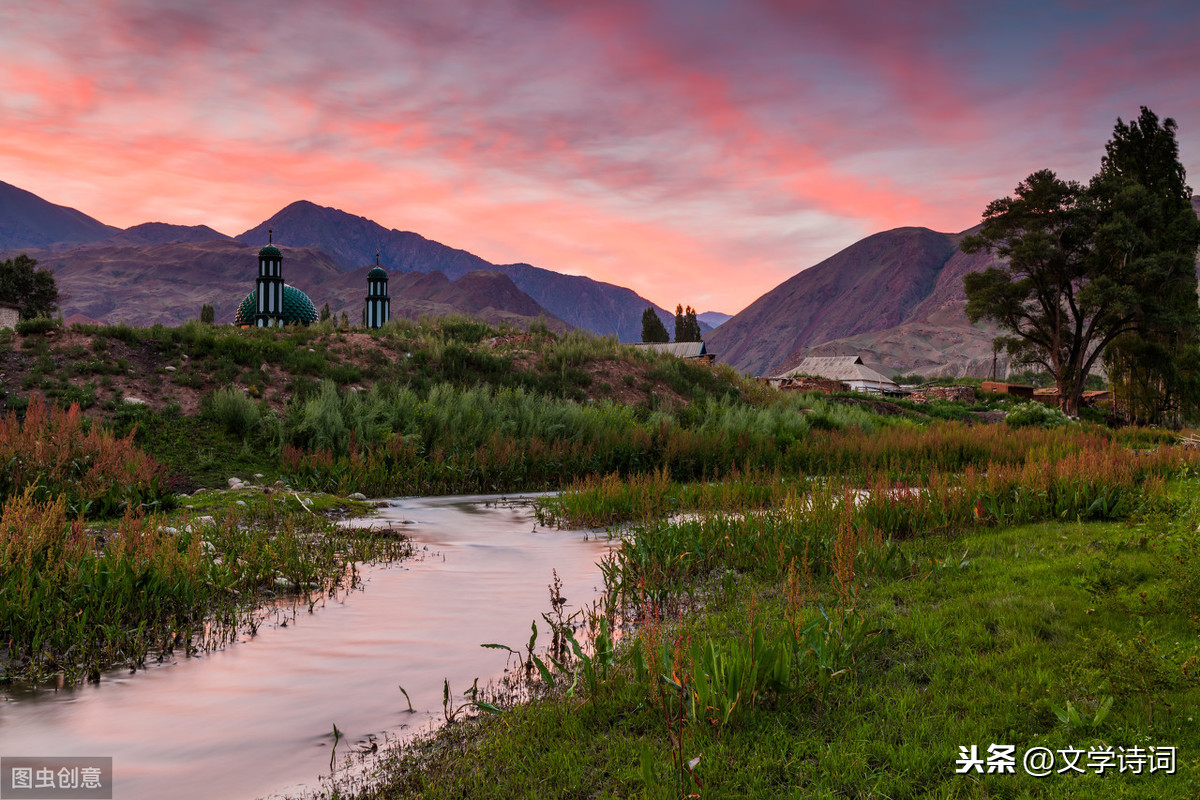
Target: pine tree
{"points": [[653, 329]]}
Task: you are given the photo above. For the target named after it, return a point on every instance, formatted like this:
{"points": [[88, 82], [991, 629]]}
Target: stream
{"points": [[255, 719]]}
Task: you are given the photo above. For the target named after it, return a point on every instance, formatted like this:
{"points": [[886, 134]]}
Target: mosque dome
{"points": [[297, 308], [270, 250], [377, 274]]}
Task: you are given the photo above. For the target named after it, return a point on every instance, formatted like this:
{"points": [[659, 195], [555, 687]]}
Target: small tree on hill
{"points": [[325, 314], [33, 291], [653, 329], [208, 314]]}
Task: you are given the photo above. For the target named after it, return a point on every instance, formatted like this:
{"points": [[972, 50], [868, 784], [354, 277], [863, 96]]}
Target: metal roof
{"points": [[838, 368], [678, 349]]}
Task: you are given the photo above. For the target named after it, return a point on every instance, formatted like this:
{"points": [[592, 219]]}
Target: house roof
{"points": [[838, 368], [678, 349]]}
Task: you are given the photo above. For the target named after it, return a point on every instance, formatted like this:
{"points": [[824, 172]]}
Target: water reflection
{"points": [[256, 718]]}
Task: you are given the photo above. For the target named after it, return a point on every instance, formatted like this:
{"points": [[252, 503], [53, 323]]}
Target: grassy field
{"points": [[790, 647]]}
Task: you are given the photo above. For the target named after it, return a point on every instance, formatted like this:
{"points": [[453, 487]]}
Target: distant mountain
{"points": [[713, 319], [27, 220], [870, 286], [163, 233], [352, 241], [168, 283]]}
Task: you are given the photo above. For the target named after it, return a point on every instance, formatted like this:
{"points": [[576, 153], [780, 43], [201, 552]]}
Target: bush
{"points": [[1035, 413], [27, 327], [239, 414]]}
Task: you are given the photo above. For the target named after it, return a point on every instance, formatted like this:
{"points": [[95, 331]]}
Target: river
{"points": [[255, 719]]}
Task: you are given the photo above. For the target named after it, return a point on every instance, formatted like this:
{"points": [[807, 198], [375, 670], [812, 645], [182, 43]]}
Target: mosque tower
{"points": [[268, 310], [379, 307]]}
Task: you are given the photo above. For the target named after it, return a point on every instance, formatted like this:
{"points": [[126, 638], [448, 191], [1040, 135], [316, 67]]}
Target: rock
{"points": [[137, 401], [233, 481], [283, 584], [170, 530], [358, 496], [169, 368], [258, 476], [241, 503], [207, 546]]}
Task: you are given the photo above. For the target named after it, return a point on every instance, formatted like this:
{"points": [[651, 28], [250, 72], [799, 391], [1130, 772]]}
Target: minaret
{"points": [[379, 307], [268, 311]]}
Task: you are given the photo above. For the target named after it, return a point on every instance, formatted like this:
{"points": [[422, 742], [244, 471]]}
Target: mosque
{"points": [[273, 303]]}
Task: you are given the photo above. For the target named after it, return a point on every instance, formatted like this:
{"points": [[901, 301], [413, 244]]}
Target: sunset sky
{"points": [[694, 151]]}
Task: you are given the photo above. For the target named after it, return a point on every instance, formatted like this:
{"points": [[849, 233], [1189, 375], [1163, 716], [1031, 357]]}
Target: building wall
{"points": [[8, 317]]}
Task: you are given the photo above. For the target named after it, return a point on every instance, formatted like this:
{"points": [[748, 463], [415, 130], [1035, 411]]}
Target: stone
{"points": [[137, 401], [358, 496], [169, 368], [233, 482]]}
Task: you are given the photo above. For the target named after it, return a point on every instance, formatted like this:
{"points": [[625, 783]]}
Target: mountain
{"points": [[27, 220], [162, 233], [713, 319], [870, 286], [167, 284], [896, 299], [353, 241]]}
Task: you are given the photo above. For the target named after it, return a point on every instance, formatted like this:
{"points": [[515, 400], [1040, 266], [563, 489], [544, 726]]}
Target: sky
{"points": [[696, 151]]}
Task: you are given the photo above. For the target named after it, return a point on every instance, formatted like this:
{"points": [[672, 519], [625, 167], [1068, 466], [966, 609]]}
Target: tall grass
{"points": [[54, 452], [76, 600]]}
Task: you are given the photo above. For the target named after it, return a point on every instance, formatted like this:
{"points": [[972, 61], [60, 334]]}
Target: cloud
{"points": [[718, 146]]}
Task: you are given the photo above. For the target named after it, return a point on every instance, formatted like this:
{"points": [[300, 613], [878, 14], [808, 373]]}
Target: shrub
{"points": [[239, 414], [33, 325], [1035, 413]]}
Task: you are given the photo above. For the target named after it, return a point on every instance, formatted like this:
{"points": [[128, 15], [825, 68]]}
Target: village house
{"points": [[694, 351], [849, 370]]}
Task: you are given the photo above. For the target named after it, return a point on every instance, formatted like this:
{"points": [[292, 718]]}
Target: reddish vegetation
{"points": [[55, 452]]}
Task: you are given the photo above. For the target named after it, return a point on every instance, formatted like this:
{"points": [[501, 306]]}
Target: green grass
{"points": [[977, 635]]}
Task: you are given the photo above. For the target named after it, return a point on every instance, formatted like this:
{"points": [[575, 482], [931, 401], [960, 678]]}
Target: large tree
{"points": [[1149, 230], [33, 291], [653, 329], [1083, 266]]}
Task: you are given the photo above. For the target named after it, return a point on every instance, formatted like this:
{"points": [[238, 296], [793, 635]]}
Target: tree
{"points": [[1084, 266], [653, 329], [33, 291], [687, 327], [208, 314], [325, 313], [1149, 230]]}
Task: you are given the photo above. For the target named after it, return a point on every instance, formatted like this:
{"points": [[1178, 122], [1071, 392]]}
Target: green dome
{"points": [[377, 274], [297, 308], [270, 250]]}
